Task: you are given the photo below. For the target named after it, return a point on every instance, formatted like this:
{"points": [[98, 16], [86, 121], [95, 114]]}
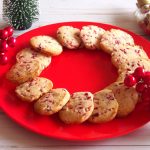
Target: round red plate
{"points": [[76, 70]]}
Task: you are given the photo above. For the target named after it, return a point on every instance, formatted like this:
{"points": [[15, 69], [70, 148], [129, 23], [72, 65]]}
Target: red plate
{"points": [[76, 70]]}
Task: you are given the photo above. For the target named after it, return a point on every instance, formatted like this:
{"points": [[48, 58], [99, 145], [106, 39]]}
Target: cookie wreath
{"points": [[100, 107]]}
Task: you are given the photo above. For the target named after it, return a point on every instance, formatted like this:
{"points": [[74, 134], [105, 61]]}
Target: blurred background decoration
{"points": [[20, 13], [143, 15]]}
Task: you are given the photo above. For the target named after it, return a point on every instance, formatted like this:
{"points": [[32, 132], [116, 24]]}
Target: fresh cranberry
{"points": [[3, 46], [3, 59], [146, 78], [4, 34], [11, 41], [139, 73], [130, 81], [140, 87], [10, 30], [146, 94], [146, 22]]}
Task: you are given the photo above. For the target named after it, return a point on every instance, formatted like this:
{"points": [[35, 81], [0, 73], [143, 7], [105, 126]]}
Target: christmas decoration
{"points": [[130, 81], [20, 13], [143, 15], [3, 59], [6, 41], [141, 79]]}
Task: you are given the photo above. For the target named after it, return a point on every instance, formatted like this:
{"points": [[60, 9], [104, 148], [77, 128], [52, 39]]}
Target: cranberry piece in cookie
{"points": [[126, 97], [28, 54], [123, 54], [105, 107], [113, 38], [52, 102], [46, 44], [24, 71], [130, 66], [34, 89], [91, 36], [78, 109], [69, 37]]}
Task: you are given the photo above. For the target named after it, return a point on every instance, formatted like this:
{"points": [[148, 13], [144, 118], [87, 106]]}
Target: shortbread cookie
{"points": [[105, 107], [78, 109], [126, 97], [33, 90], [52, 102], [115, 37], [46, 45], [131, 65], [24, 71], [123, 54], [69, 37], [91, 36], [28, 54], [121, 76]]}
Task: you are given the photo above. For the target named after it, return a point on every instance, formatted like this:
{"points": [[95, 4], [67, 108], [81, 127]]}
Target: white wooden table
{"points": [[116, 12]]}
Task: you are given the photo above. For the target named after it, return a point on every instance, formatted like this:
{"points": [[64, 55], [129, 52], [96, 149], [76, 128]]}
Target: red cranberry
{"points": [[3, 46], [146, 21], [146, 94], [147, 73], [130, 81], [139, 73], [11, 41], [146, 78], [10, 30], [140, 87], [4, 34], [3, 59]]}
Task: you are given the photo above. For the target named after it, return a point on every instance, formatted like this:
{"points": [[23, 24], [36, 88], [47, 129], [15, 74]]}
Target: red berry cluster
{"points": [[141, 79], [6, 41]]}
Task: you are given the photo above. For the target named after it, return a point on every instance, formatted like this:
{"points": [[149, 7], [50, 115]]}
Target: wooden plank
{"points": [[79, 148], [116, 20], [84, 4]]}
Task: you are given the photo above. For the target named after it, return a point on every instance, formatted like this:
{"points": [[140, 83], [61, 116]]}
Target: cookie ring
{"points": [[55, 49]]}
